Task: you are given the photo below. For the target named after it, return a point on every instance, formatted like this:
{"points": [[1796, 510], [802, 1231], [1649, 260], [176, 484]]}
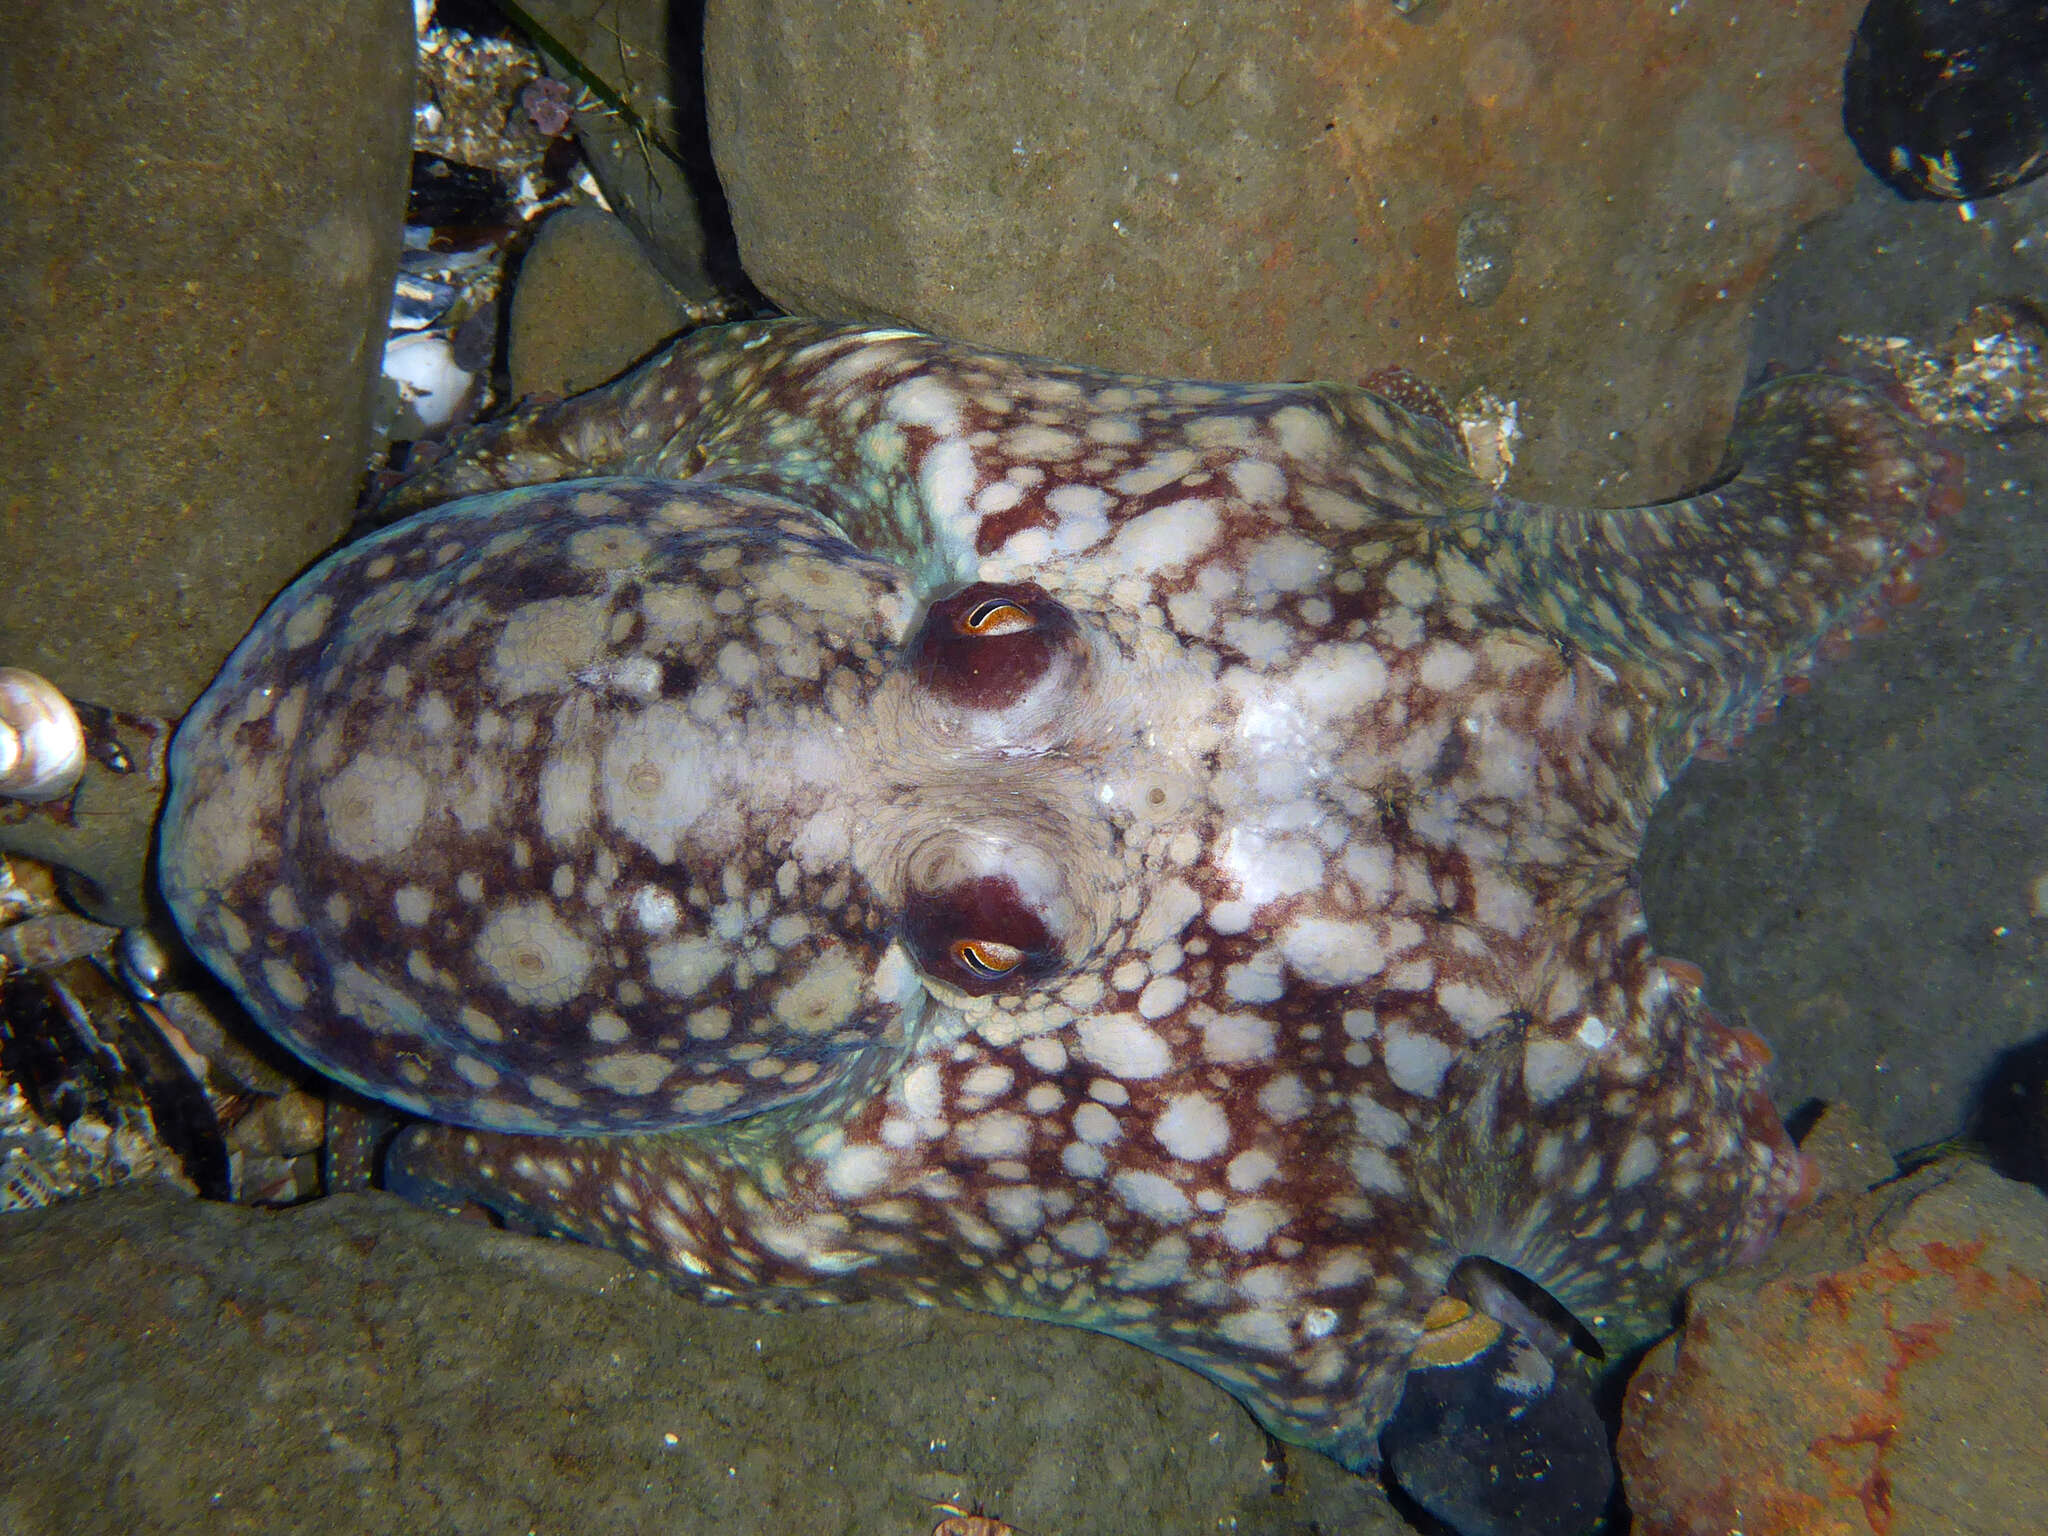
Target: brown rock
{"points": [[588, 304], [355, 1365], [203, 210], [1568, 205], [1884, 1374]]}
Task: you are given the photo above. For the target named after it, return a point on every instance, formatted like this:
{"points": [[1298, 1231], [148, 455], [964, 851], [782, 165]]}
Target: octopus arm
{"points": [[1712, 603], [840, 418]]}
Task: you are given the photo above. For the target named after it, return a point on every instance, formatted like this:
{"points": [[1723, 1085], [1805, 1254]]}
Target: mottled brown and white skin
{"points": [[840, 813]]}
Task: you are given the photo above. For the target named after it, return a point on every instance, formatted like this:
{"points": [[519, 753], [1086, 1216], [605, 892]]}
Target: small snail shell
{"points": [[42, 744]]}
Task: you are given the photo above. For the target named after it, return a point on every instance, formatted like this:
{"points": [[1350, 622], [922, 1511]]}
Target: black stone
{"points": [[1477, 1449], [1948, 99]]}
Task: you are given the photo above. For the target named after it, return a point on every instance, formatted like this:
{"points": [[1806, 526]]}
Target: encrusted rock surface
{"points": [[1884, 1371]]}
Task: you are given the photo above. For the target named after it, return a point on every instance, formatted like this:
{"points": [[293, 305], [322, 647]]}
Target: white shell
{"points": [[42, 745]]}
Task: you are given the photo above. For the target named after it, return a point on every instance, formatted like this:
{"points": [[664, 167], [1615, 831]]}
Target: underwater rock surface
{"points": [[357, 1365]]}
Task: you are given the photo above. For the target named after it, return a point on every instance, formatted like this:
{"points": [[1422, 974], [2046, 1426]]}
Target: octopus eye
{"points": [[990, 644], [979, 934], [995, 616], [987, 959]]}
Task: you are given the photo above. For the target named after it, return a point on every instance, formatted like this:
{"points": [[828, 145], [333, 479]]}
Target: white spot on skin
{"points": [[1638, 1161], [1286, 562], [1152, 1195], [1249, 1223], [1549, 1067], [1445, 666], [1017, 1208], [1173, 535], [1083, 1161], [1335, 681], [737, 663], [1043, 1098], [481, 1025], [1375, 1170], [923, 1092], [1473, 1009], [373, 806], [823, 997], [686, 967], [1096, 1125], [308, 622], [1162, 995], [1045, 1053], [632, 1073], [413, 904], [565, 803], [1266, 1332], [533, 955], [986, 1082], [1376, 1123], [1157, 472], [707, 1099], [479, 1074], [1268, 868], [856, 1171], [544, 644], [654, 781], [1172, 907], [1256, 480], [1193, 1127], [709, 1024], [1122, 1046], [286, 983], [1416, 1062], [656, 910], [1083, 513], [1234, 1037], [283, 908], [1284, 1099], [1084, 1239], [1256, 980], [1336, 954], [995, 1135], [1248, 1170]]}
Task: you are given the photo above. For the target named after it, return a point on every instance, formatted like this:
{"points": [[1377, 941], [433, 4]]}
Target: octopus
{"points": [[839, 813]]}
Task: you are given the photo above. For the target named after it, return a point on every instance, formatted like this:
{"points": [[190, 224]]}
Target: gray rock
{"points": [[356, 1365], [203, 209], [1486, 192], [1856, 880]]}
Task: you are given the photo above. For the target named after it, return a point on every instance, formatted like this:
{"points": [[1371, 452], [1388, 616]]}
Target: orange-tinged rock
{"points": [[1884, 1374]]}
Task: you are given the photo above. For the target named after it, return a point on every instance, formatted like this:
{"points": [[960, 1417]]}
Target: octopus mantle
{"points": [[838, 813]]}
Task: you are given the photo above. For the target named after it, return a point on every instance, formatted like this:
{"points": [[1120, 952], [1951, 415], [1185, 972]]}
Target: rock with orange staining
{"points": [[1882, 1375]]}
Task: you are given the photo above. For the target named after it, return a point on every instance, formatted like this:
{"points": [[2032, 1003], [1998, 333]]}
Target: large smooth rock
{"points": [[1567, 204], [203, 211], [357, 1365]]}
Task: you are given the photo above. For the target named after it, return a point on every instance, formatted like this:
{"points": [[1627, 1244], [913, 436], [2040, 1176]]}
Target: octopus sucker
{"points": [[841, 813]]}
